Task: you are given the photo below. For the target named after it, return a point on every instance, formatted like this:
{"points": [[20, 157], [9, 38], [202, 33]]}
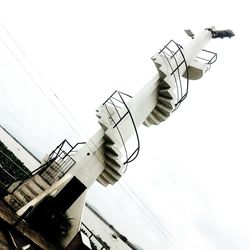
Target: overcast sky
{"points": [[193, 170]]}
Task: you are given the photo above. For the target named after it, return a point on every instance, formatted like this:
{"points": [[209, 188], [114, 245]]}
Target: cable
{"points": [[42, 78], [43, 92], [166, 234], [34, 81]]}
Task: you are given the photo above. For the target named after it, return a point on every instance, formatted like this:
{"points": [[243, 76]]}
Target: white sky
{"points": [[193, 170]]}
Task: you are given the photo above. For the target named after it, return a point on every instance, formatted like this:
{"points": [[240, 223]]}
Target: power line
{"points": [[43, 92], [90, 141], [151, 213], [43, 80], [35, 82], [165, 233]]}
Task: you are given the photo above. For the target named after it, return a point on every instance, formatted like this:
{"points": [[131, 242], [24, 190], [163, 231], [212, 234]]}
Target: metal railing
{"points": [[92, 236], [59, 161], [117, 101], [207, 57], [170, 52], [11, 172]]}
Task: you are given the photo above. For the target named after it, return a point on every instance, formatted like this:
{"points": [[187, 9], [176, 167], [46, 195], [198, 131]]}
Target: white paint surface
{"points": [[196, 165]]}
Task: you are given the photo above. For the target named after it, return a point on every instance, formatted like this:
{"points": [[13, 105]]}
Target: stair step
{"points": [[166, 92], [163, 109], [55, 165], [165, 85], [20, 197], [115, 165], [102, 181], [111, 137], [113, 173], [161, 72], [160, 116], [104, 123], [34, 187], [13, 202], [13, 186], [166, 101], [165, 69], [112, 148], [47, 177], [161, 64], [147, 123], [151, 118], [109, 177], [51, 173], [27, 192], [41, 182], [116, 170], [157, 59], [113, 158]]}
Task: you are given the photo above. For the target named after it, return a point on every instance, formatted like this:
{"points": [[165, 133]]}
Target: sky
{"points": [[193, 172]]}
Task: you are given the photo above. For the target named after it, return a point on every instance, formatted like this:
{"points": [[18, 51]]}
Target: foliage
{"points": [[9, 163]]}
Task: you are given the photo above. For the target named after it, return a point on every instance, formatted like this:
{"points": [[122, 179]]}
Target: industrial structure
{"points": [[69, 171]]}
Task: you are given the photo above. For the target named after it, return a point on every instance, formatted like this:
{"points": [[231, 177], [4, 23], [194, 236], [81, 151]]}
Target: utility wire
{"points": [[158, 225], [165, 233], [43, 80], [44, 93], [35, 82], [149, 211]]}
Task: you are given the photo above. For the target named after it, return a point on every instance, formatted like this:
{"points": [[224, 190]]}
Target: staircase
{"points": [[166, 97], [54, 168], [113, 166], [20, 193]]}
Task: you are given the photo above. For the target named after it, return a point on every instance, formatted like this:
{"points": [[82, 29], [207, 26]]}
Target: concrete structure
{"points": [[100, 158]]}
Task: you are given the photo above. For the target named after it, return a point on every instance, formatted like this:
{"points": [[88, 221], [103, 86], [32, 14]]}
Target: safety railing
{"points": [[174, 57], [172, 53], [207, 57], [118, 103], [10, 171], [93, 238], [58, 163]]}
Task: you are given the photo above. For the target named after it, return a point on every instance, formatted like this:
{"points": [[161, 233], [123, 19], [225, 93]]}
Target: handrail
{"points": [[92, 235], [120, 99], [173, 56], [54, 155], [213, 58], [27, 174], [136, 132]]}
